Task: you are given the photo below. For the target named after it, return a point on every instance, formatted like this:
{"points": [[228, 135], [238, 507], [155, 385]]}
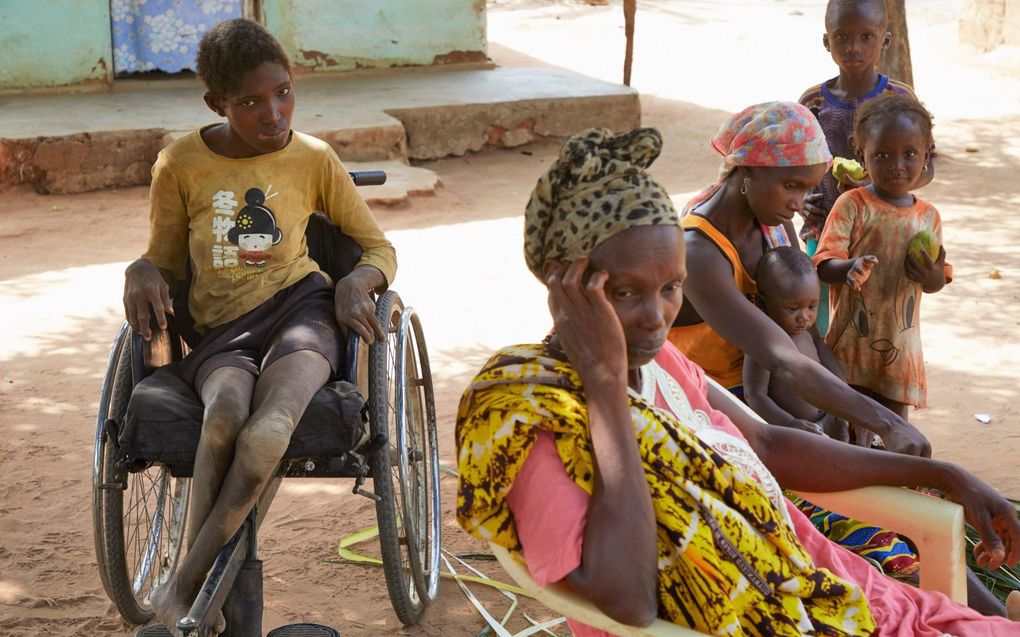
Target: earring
{"points": [[743, 186], [924, 168]]}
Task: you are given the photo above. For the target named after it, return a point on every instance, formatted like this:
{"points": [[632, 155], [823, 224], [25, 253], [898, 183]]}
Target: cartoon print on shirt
{"points": [[907, 308], [255, 230], [905, 311], [862, 320]]}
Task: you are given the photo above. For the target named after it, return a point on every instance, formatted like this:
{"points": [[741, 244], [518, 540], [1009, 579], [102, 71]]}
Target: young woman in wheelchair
{"points": [[606, 461], [230, 203]]}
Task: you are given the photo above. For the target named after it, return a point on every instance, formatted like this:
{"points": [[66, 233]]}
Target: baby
{"points": [[788, 291]]}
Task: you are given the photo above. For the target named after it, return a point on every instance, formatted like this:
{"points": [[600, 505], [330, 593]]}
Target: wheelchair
{"points": [[378, 422]]}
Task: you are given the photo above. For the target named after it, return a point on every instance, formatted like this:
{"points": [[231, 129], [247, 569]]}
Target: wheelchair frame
{"points": [[140, 508]]}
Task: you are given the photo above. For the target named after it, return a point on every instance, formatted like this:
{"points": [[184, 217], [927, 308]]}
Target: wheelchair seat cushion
{"points": [[164, 422]]}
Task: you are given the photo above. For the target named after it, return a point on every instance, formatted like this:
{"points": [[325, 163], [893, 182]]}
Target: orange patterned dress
{"points": [[876, 333]]}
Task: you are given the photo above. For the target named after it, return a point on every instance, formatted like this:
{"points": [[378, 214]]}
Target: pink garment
{"points": [[550, 513]]}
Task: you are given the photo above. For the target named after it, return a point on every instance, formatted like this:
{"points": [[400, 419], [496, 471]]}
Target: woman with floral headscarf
{"points": [[773, 153], [602, 457]]}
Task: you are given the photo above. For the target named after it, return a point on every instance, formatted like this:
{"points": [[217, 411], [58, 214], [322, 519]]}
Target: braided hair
{"points": [[887, 108]]}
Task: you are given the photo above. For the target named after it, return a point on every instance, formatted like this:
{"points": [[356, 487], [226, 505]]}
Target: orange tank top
{"points": [[722, 361]]}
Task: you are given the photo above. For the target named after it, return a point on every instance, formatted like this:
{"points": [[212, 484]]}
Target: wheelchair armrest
{"points": [[165, 347]]}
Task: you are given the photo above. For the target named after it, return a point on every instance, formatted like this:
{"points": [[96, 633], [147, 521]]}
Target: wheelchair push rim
{"points": [[399, 538], [418, 452], [139, 515]]}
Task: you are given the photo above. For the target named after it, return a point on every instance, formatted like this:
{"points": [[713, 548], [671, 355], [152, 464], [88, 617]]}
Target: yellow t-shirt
{"points": [[242, 221]]}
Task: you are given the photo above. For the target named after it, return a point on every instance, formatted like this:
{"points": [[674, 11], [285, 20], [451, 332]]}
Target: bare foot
{"points": [[168, 604], [171, 608], [1013, 606]]}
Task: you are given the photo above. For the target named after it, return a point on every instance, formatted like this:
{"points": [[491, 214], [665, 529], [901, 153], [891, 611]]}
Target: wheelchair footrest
{"points": [[304, 630], [155, 630]]}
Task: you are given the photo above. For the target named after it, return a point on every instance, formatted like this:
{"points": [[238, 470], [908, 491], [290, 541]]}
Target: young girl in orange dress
{"points": [[876, 299]]}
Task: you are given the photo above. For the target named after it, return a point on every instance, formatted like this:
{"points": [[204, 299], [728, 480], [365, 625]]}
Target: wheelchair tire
{"points": [[139, 515], [386, 391]]}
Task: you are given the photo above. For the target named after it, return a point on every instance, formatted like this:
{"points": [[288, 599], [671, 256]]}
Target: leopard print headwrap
{"points": [[596, 188]]}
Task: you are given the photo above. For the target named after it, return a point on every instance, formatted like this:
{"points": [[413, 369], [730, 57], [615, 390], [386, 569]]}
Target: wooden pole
{"points": [[895, 61], [629, 11]]}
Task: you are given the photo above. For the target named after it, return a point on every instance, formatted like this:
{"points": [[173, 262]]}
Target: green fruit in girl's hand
{"points": [[926, 241], [844, 170]]}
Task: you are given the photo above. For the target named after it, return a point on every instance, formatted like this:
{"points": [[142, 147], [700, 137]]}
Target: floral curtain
{"points": [[163, 35]]}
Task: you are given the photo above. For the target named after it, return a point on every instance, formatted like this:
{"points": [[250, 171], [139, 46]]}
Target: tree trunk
{"points": [[629, 10], [895, 61]]}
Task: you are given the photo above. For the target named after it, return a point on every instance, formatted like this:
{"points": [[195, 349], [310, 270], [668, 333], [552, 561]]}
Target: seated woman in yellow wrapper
{"points": [[601, 456]]}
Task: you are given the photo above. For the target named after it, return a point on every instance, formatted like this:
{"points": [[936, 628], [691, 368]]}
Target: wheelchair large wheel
{"points": [[139, 512], [405, 470]]}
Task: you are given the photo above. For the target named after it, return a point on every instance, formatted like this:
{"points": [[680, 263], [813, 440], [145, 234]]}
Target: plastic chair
{"points": [[935, 526]]}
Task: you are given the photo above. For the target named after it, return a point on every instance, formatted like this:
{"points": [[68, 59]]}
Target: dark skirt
{"points": [[300, 317]]}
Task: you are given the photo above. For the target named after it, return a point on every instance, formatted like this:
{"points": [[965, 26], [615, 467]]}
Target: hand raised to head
{"points": [[586, 323]]}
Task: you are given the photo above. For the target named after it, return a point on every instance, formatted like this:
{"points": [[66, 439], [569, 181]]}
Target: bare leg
{"points": [[900, 409], [981, 599], [281, 395], [865, 437], [226, 395]]}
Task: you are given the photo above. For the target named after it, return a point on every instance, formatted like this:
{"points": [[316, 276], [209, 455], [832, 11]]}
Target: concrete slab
{"points": [[64, 142]]}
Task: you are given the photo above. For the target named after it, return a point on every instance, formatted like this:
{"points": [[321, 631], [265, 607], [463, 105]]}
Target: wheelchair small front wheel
{"points": [[138, 513]]}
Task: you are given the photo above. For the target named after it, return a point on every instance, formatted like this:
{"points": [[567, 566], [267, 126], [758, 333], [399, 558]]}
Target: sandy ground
{"points": [[62, 260]]}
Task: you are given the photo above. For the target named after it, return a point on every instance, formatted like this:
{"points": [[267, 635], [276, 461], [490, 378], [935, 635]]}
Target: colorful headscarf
{"points": [[771, 134], [596, 188]]}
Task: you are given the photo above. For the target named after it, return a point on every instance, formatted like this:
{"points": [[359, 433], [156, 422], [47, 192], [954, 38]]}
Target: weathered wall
{"points": [[54, 42], [48, 43], [987, 24], [339, 35]]}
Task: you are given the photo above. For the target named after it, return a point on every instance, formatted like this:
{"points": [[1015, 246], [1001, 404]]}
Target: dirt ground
{"points": [[62, 260]]}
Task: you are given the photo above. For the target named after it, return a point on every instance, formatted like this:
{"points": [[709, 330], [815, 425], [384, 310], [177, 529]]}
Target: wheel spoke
{"points": [[138, 528]]}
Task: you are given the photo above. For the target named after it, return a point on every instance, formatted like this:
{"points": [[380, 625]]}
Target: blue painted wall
{"points": [[54, 42], [337, 35], [47, 43]]}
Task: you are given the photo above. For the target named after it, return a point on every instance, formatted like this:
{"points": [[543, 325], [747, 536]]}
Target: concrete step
{"points": [[74, 142]]}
